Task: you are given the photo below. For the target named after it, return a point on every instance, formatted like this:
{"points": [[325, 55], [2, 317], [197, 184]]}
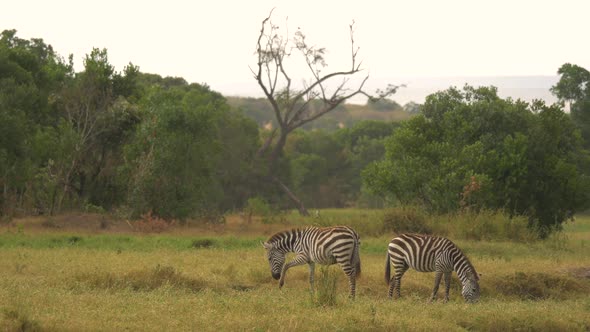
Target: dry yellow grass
{"points": [[75, 288]]}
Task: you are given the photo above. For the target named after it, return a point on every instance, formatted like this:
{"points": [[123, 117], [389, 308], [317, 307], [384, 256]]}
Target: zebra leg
{"points": [[311, 275], [396, 285], [350, 272], [298, 260], [352, 284], [437, 278], [447, 285]]}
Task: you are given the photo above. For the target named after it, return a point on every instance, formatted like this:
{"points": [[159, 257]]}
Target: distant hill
{"points": [[526, 88], [343, 116]]}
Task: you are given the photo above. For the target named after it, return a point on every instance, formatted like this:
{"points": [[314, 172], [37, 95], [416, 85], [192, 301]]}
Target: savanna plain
{"points": [[86, 272]]}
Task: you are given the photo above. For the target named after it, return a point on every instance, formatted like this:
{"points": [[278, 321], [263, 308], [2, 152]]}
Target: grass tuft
{"points": [[142, 280], [202, 243], [326, 287], [17, 319], [539, 286]]}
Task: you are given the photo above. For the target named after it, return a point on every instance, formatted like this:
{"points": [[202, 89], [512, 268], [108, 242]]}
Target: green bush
{"points": [[406, 219], [257, 206]]}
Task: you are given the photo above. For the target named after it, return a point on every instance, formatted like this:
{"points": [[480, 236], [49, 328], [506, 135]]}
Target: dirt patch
{"points": [[580, 272], [95, 223], [71, 222]]}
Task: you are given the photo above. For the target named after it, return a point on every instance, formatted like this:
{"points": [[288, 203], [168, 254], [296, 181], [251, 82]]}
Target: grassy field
{"points": [[78, 273]]}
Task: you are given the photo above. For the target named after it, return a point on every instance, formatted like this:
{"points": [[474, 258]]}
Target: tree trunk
{"points": [[300, 206], [273, 163]]}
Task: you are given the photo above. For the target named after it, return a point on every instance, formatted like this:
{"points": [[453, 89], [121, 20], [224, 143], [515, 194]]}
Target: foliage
{"points": [[405, 220], [30, 74], [574, 88], [472, 149], [257, 206], [324, 167], [106, 140], [178, 161]]}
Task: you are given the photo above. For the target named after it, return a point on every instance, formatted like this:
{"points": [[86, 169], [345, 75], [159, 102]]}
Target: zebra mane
{"points": [[470, 266], [281, 235]]}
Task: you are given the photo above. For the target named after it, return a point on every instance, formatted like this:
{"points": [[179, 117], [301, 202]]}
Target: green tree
{"points": [[191, 155], [99, 118], [473, 149], [31, 74], [236, 171], [573, 88]]}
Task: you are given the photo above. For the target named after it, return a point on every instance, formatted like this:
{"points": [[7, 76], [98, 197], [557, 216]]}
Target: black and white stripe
{"points": [[325, 246], [430, 254]]}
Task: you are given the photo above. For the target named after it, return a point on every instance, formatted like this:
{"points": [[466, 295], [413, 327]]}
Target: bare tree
{"points": [[295, 105]]}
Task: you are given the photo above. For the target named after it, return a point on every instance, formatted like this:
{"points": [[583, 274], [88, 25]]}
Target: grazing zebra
{"points": [[430, 254], [326, 246]]}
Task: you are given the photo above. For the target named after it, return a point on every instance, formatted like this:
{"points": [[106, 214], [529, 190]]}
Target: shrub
{"points": [[259, 207], [406, 219], [150, 223]]}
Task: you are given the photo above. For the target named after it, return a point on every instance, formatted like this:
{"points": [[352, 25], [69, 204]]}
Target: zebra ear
{"points": [[265, 245]]}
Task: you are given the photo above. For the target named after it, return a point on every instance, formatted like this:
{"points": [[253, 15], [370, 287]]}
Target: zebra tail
{"points": [[357, 259], [387, 269]]}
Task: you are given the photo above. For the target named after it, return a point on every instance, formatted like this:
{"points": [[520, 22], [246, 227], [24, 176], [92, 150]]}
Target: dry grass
{"points": [[205, 287]]}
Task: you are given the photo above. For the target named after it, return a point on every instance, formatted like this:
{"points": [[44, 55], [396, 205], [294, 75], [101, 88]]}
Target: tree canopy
{"points": [[102, 139], [472, 149]]}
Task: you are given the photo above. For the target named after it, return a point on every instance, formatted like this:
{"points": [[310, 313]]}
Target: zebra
{"points": [[325, 246], [426, 253]]}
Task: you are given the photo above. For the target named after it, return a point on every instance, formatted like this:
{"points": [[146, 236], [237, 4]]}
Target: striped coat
{"points": [[426, 253], [325, 246]]}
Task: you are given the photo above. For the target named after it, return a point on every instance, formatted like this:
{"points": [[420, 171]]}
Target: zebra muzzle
{"points": [[276, 276]]}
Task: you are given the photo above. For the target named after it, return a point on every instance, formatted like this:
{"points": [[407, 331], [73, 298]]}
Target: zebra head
{"points": [[276, 259], [471, 288]]}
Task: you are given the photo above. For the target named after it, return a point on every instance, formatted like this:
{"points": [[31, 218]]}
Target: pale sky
{"points": [[213, 41]]}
